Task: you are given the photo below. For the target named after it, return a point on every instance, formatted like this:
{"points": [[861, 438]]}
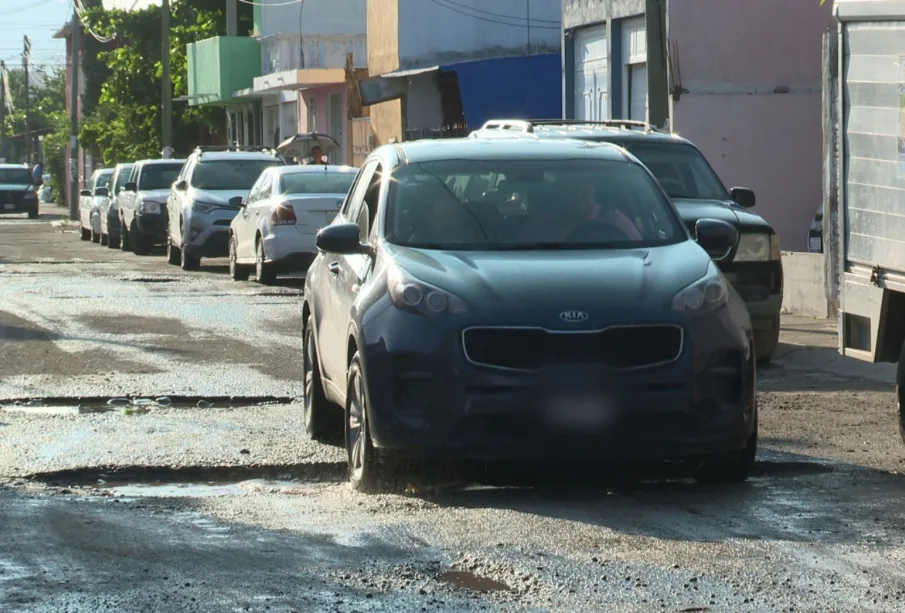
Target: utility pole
{"points": [[74, 116], [232, 23], [2, 109], [26, 56], [166, 110]]}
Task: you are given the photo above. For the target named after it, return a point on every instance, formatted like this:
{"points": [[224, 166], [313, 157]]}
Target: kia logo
{"points": [[573, 316]]}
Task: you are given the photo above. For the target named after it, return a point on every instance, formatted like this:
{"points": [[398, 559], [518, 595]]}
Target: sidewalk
{"points": [[812, 344]]}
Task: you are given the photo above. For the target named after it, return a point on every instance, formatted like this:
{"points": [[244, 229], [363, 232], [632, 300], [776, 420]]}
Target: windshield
{"points": [[158, 176], [18, 176], [681, 170], [103, 179], [233, 175], [123, 177], [316, 182], [528, 204]]}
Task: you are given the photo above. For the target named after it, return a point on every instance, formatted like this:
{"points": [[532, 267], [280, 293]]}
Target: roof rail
{"points": [[215, 148], [626, 124], [516, 125]]}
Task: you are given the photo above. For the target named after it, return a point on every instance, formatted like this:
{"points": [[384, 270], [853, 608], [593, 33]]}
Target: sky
{"points": [[39, 20]]}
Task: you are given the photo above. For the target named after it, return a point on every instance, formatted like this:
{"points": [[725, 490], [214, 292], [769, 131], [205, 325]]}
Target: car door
{"points": [[174, 204], [85, 202], [341, 280], [244, 224], [260, 209]]}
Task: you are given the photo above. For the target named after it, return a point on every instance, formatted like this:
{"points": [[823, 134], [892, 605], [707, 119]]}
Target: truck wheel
{"points": [[765, 343], [33, 213], [85, 234], [140, 244]]}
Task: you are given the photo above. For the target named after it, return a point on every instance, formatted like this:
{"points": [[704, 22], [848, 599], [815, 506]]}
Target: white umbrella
{"points": [[300, 145]]}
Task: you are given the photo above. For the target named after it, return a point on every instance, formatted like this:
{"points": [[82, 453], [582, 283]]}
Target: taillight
{"points": [[282, 216]]}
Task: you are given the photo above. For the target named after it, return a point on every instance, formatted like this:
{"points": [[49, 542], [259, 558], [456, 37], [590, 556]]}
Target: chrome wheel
{"points": [[356, 428]]}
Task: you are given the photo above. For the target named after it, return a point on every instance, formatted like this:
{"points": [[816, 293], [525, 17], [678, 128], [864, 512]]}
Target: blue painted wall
{"points": [[525, 87]]}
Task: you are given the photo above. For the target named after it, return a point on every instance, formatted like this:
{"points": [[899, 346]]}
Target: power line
{"points": [[488, 20], [287, 3], [465, 6], [22, 9], [79, 9]]}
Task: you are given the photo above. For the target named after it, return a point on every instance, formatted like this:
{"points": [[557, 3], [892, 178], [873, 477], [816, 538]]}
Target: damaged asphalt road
{"points": [[214, 501]]}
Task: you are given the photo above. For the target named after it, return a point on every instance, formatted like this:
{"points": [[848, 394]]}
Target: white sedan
{"points": [[277, 224]]}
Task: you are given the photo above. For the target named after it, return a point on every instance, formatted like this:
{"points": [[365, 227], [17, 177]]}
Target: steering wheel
{"points": [[597, 232]]}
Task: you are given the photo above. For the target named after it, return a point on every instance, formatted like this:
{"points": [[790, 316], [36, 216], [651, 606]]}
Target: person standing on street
{"points": [[37, 175]]}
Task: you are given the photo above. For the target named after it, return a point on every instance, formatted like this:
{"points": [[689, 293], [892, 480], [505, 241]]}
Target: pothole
{"points": [[192, 481], [134, 405], [472, 581], [154, 280]]}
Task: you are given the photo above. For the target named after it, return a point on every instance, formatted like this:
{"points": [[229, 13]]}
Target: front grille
{"points": [[8, 197], [617, 347]]}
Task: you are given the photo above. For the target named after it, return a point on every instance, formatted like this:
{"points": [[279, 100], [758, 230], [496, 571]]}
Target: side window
{"points": [[266, 188], [356, 192], [371, 199]]}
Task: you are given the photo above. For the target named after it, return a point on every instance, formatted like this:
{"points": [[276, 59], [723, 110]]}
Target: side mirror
{"points": [[342, 239], [237, 201], [181, 185], [744, 196], [130, 187], [85, 192], [101, 191], [717, 237]]}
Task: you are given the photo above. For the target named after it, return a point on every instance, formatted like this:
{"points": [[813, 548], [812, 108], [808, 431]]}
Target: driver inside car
{"points": [[439, 217], [573, 213]]}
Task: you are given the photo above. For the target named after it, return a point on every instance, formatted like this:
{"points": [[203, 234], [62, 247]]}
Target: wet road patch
{"points": [[101, 404], [134, 324]]}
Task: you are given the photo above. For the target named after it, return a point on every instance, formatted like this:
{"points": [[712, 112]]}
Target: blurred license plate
{"points": [[9, 207]]}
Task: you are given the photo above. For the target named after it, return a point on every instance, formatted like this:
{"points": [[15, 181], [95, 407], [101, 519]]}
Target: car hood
{"points": [[529, 286], [217, 196], [724, 210], [154, 195], [14, 186]]}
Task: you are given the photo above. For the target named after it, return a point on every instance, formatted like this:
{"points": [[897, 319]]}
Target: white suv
{"points": [[205, 198]]}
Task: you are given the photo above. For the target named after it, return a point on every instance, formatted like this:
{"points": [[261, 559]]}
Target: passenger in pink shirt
{"points": [[579, 206]]}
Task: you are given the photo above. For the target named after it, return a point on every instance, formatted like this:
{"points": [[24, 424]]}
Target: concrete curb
{"points": [[824, 359]]}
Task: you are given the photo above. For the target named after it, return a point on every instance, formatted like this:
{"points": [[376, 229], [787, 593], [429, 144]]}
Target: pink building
{"points": [[740, 79]]}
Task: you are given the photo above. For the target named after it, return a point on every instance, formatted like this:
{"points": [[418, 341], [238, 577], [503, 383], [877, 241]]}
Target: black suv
{"points": [[753, 267]]}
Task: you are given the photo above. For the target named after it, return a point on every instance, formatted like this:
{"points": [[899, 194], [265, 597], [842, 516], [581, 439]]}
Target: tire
{"points": [[236, 270], [105, 239], [368, 473], [85, 234], [33, 213], [140, 243], [95, 237], [732, 469], [125, 239], [174, 253], [766, 342], [188, 262], [322, 418], [264, 272]]}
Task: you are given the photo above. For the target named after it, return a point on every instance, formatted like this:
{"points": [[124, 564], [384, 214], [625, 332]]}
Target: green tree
{"points": [[125, 125]]}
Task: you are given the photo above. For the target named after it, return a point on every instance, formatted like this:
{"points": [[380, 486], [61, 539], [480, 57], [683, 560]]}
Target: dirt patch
{"points": [[29, 349], [117, 324]]}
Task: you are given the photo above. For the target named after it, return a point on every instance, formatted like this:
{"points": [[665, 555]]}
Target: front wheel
{"points": [[125, 239], [731, 469], [367, 471], [140, 243], [174, 255], [33, 213], [236, 270], [264, 272], [85, 234], [95, 236]]}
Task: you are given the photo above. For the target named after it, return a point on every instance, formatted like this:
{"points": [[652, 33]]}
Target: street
{"points": [[207, 495]]}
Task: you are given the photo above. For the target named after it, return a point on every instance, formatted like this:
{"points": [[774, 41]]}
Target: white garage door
{"points": [[634, 72], [591, 74]]}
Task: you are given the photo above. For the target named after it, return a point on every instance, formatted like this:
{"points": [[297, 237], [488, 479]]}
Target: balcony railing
{"points": [[284, 52]]}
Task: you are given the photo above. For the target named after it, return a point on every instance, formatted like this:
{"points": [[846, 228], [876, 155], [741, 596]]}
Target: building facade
{"points": [[422, 53], [740, 79], [83, 165], [289, 76]]}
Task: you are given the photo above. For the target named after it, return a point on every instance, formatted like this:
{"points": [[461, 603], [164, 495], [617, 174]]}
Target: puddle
{"points": [[471, 581], [154, 280], [134, 406]]}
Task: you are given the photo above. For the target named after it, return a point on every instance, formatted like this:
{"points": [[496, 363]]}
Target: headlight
{"points": [[149, 207], [204, 207], [758, 248], [414, 296], [706, 294]]}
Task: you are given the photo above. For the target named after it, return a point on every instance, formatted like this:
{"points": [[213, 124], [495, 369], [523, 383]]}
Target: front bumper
{"points": [[152, 224], [760, 284], [12, 206], [208, 240], [427, 398]]}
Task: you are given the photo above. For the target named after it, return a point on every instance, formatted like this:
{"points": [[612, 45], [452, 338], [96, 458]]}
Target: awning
{"points": [[388, 86], [287, 80]]}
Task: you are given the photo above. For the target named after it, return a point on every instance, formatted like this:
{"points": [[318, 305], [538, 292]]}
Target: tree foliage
{"points": [[126, 123]]}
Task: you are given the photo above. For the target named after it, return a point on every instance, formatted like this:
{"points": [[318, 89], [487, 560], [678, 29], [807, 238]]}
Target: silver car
{"points": [[142, 204], [109, 212], [90, 200]]}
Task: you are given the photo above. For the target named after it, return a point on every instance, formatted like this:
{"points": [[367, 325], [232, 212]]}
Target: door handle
{"points": [[333, 267]]}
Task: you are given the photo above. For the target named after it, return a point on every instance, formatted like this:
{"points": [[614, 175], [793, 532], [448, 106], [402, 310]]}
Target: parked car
{"points": [[202, 204], [142, 204], [754, 266], [109, 210], [90, 200], [443, 324], [17, 190], [276, 227]]}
